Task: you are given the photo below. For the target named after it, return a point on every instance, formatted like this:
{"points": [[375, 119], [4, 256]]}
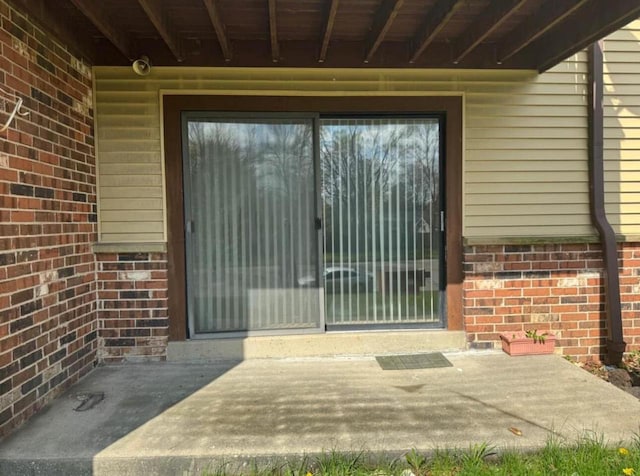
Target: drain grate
{"points": [[413, 361]]}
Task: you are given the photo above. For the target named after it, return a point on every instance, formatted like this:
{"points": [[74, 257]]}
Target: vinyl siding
{"points": [[525, 165], [622, 129]]}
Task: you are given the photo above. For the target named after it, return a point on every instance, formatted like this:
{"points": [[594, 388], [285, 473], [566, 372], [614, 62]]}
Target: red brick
{"points": [[579, 310], [34, 225]]}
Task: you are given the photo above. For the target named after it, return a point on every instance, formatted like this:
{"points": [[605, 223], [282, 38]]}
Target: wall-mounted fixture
{"points": [[142, 66], [17, 109]]}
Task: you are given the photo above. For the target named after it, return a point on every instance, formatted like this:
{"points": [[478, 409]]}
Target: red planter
{"points": [[517, 343]]}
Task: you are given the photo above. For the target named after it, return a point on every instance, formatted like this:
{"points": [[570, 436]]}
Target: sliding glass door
{"points": [[383, 231], [294, 223], [250, 211]]}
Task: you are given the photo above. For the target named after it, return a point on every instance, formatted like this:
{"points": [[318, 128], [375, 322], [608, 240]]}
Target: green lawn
{"points": [[381, 307], [590, 457]]}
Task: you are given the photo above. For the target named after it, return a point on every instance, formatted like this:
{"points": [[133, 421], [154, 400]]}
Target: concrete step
{"points": [[330, 344]]}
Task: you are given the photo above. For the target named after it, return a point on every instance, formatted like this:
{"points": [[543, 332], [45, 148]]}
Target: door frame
{"points": [[173, 105]]}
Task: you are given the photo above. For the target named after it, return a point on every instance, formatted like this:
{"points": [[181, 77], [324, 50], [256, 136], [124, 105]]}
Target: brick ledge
{"points": [[142, 247], [542, 240]]}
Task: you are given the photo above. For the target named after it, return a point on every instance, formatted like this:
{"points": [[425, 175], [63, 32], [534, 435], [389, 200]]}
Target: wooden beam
{"points": [[94, 11], [436, 20], [592, 22], [328, 29], [553, 13], [273, 32], [153, 9], [56, 25], [494, 16], [381, 23], [213, 10]]}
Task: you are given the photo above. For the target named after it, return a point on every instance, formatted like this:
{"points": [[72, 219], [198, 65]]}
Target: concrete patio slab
{"points": [[182, 418]]}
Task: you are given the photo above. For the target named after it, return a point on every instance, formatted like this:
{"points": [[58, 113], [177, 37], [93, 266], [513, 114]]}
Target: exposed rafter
{"points": [[554, 12], [381, 23], [213, 10], [328, 29], [436, 20], [273, 31], [495, 15], [94, 11], [492, 34], [560, 44], [160, 21], [49, 20]]}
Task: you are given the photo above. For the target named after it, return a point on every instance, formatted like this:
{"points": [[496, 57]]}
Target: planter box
{"points": [[517, 343]]}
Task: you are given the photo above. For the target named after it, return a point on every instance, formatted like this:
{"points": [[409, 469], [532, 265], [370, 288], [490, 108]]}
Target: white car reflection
{"points": [[341, 279]]}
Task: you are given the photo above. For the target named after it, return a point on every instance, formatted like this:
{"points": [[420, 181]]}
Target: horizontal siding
{"points": [[622, 128], [526, 157], [525, 139], [130, 179]]}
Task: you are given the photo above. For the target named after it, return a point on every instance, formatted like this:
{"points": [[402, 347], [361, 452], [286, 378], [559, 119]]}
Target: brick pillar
{"points": [[132, 307]]}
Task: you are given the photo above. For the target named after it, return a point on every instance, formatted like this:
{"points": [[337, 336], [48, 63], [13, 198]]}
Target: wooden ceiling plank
{"points": [[328, 29], [436, 20], [94, 11], [52, 23], [560, 44], [382, 21], [494, 16], [213, 9], [153, 9], [273, 31], [553, 13]]}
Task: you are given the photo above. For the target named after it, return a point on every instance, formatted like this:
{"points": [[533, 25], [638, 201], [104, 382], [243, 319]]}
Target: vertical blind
{"points": [[381, 208], [250, 209]]}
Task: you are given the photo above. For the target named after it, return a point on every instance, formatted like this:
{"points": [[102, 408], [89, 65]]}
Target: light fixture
{"points": [[142, 66]]}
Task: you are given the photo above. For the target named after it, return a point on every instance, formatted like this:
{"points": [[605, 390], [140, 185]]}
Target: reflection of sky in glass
{"points": [[268, 148], [395, 151]]}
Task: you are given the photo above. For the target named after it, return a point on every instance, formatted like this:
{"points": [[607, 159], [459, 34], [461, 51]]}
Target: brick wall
{"points": [[557, 288], [47, 221], [132, 308]]}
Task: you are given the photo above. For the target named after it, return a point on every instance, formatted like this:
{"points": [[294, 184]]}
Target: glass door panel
{"points": [[381, 203], [251, 243]]}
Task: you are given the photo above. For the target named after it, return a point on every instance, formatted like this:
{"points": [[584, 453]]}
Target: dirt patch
{"points": [[626, 377]]}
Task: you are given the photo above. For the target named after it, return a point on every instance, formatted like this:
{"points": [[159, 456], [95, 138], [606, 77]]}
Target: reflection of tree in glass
{"points": [[377, 175], [254, 177], [288, 168], [420, 173], [357, 158]]}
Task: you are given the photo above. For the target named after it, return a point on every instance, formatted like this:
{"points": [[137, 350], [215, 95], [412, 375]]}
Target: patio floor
{"points": [[180, 418]]}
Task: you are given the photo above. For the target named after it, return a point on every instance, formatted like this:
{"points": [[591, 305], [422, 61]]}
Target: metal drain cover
{"points": [[413, 361]]}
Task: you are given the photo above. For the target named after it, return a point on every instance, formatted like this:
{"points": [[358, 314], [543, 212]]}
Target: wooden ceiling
{"points": [[523, 34]]}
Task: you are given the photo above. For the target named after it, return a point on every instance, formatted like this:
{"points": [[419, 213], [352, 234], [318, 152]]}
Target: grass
{"points": [[356, 307], [589, 457]]}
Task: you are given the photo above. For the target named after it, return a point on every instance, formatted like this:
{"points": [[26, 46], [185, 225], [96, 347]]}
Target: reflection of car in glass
{"points": [[341, 279]]}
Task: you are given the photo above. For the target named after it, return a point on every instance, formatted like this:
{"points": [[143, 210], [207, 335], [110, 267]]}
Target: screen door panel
{"points": [[250, 234], [382, 205]]}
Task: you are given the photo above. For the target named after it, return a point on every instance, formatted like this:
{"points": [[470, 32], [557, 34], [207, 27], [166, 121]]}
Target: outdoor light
{"points": [[142, 66]]}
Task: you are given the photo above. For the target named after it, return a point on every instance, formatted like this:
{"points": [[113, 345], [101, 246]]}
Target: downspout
{"points": [[615, 342]]}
